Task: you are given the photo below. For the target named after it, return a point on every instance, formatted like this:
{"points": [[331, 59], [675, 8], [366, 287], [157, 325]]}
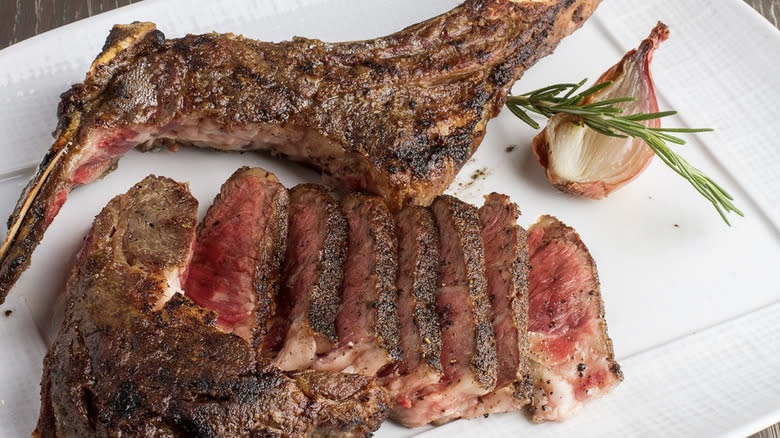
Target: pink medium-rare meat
{"points": [[418, 275], [468, 352], [240, 246], [312, 278], [397, 116], [571, 357], [133, 359], [367, 321]]}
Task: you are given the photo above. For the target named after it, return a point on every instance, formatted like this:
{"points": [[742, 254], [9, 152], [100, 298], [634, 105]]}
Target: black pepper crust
{"points": [[465, 226], [325, 293], [381, 230], [416, 226]]}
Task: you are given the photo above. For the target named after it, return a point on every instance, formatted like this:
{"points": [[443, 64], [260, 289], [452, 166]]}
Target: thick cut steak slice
{"points": [[468, 354], [313, 273], [120, 367], [367, 322], [418, 274], [506, 266], [396, 116], [240, 246], [571, 359]]}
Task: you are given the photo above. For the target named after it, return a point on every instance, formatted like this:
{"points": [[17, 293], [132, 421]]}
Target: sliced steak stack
{"points": [[506, 256], [468, 355], [418, 275], [367, 322], [241, 243], [323, 320], [135, 358], [305, 325]]}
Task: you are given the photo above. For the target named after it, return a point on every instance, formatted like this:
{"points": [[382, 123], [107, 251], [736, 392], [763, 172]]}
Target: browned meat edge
{"points": [[313, 274]]}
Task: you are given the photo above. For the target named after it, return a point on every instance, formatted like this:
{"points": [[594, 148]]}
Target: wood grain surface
{"points": [[21, 19]]}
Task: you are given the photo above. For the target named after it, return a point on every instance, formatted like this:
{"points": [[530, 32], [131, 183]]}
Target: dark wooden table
{"points": [[21, 19]]}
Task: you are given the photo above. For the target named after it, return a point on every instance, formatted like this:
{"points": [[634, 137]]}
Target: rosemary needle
{"points": [[607, 119]]}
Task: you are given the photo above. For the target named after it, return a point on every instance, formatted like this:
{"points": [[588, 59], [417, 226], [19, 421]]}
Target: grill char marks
{"points": [[571, 357], [418, 272], [396, 116], [313, 273], [118, 366], [367, 322], [241, 243]]}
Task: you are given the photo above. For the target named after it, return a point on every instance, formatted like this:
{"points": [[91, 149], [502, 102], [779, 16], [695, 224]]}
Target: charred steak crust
{"points": [[325, 296], [459, 221], [397, 116], [507, 265], [418, 272], [118, 366]]}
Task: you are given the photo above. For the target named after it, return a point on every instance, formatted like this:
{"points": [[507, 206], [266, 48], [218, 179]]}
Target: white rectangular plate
{"points": [[691, 304]]}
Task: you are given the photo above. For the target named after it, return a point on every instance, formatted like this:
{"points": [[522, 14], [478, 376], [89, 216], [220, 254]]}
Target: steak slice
{"points": [[506, 266], [468, 353], [571, 358], [313, 273], [120, 367], [367, 322], [240, 246], [396, 116], [418, 274]]}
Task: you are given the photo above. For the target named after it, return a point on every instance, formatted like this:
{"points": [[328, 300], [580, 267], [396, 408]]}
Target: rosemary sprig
{"points": [[607, 119]]}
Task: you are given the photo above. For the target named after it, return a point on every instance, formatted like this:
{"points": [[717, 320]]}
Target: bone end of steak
{"points": [[418, 273], [305, 326], [397, 116], [119, 367], [367, 321], [241, 242], [571, 356]]}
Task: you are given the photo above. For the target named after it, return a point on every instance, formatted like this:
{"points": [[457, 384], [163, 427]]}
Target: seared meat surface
{"points": [[396, 116], [135, 359], [571, 356]]}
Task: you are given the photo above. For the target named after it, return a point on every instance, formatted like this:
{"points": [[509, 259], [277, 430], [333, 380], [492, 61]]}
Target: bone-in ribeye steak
{"points": [[435, 310], [396, 116]]}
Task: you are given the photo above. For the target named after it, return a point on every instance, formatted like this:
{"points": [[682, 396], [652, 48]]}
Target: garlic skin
{"points": [[581, 161]]}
